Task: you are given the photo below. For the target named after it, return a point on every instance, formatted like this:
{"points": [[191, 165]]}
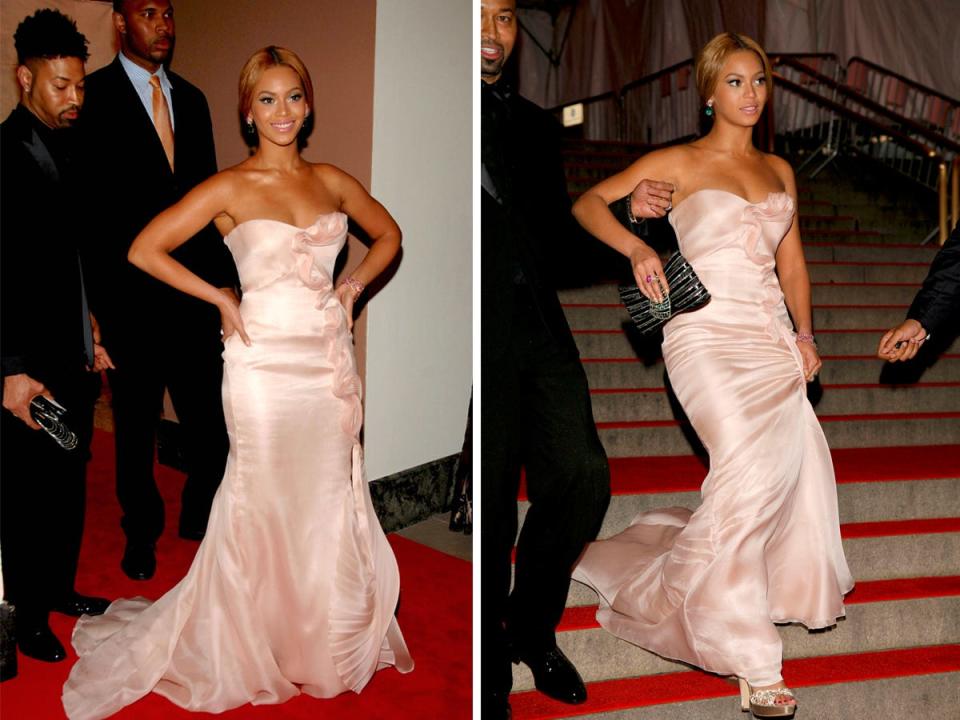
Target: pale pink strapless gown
{"points": [[294, 587], [764, 546]]}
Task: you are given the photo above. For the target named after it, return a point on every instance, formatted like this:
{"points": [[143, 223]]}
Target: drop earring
{"points": [[709, 111]]}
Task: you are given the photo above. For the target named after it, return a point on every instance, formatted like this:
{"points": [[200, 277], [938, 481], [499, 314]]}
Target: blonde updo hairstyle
{"points": [[261, 61], [711, 59]]}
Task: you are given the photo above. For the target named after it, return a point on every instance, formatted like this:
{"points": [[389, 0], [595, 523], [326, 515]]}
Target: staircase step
{"points": [[816, 219], [824, 293], [912, 505], [908, 683], [823, 272], [584, 617], [617, 343], [685, 473], [636, 404], [865, 252], [630, 372], [904, 617], [610, 316], [673, 437]]}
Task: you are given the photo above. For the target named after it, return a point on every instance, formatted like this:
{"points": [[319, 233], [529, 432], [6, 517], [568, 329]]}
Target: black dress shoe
{"points": [[496, 706], [40, 643], [76, 605], [139, 561], [554, 675]]}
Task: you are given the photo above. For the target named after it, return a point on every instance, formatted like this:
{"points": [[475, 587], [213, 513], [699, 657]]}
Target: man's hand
{"points": [[651, 199], [18, 391], [101, 358], [902, 342]]}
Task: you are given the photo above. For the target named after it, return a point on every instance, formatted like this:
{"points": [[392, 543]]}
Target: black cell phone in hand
{"points": [[48, 414]]}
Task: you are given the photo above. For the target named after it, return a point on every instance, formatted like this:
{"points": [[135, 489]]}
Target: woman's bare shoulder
{"points": [[781, 167]]}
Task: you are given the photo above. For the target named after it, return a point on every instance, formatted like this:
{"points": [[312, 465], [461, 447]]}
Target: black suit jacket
{"points": [[937, 305], [527, 229], [41, 316], [129, 182]]}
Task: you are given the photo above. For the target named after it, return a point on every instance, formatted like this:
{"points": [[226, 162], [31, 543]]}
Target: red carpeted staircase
{"points": [[895, 440], [434, 613]]}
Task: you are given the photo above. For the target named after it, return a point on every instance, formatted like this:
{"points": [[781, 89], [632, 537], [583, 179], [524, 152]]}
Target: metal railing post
{"points": [[942, 191]]}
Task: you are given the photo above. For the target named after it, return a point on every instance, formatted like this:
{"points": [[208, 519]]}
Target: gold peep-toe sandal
{"points": [[763, 703]]}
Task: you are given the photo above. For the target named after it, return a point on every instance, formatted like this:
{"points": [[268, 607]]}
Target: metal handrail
{"points": [[937, 139], [841, 128], [902, 78], [907, 97]]}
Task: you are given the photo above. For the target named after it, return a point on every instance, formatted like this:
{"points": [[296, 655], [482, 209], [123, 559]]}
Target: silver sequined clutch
{"points": [[48, 414]]}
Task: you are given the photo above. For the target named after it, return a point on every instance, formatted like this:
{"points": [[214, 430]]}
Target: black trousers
{"points": [[42, 501], [191, 367], [536, 414]]}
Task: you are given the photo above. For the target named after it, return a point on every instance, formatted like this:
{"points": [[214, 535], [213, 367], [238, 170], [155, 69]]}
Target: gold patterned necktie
{"points": [[161, 119]]}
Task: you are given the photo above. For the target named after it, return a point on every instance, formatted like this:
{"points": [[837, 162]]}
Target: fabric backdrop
{"points": [[612, 42]]}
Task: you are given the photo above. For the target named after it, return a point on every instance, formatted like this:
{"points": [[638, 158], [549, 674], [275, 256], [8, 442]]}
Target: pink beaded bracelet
{"points": [[806, 338], [353, 284]]}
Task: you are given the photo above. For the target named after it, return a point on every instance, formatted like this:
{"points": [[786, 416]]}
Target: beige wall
{"points": [[419, 344]]}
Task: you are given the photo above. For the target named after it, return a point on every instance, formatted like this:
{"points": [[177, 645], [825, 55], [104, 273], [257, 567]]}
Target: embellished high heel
{"points": [[763, 703]]}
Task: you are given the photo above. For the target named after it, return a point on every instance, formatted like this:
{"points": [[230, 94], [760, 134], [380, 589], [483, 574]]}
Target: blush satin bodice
{"points": [[706, 586], [294, 588]]}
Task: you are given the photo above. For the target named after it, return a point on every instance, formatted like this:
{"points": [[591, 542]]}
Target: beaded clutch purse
{"points": [[48, 414], [686, 293]]}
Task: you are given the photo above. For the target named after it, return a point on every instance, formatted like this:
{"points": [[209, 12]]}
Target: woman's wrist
{"points": [[806, 337], [356, 286]]}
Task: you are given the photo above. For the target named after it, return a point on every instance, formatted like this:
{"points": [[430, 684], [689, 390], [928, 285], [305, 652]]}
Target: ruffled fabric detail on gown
{"points": [[356, 651], [706, 587], [295, 586]]}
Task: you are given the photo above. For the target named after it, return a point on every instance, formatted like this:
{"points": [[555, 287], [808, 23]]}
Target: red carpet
{"points": [[435, 615]]}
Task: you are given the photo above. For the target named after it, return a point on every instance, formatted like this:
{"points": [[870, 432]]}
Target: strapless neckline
{"points": [[732, 194], [281, 222]]}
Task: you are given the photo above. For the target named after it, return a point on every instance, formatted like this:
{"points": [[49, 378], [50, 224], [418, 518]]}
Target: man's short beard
{"points": [[68, 122], [491, 68]]}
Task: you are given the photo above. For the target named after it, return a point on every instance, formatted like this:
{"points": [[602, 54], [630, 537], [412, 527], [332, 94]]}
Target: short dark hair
{"points": [[49, 34], [118, 6]]}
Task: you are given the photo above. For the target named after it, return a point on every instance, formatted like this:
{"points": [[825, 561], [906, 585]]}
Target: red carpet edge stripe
{"points": [[583, 617], [624, 694], [887, 528]]}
